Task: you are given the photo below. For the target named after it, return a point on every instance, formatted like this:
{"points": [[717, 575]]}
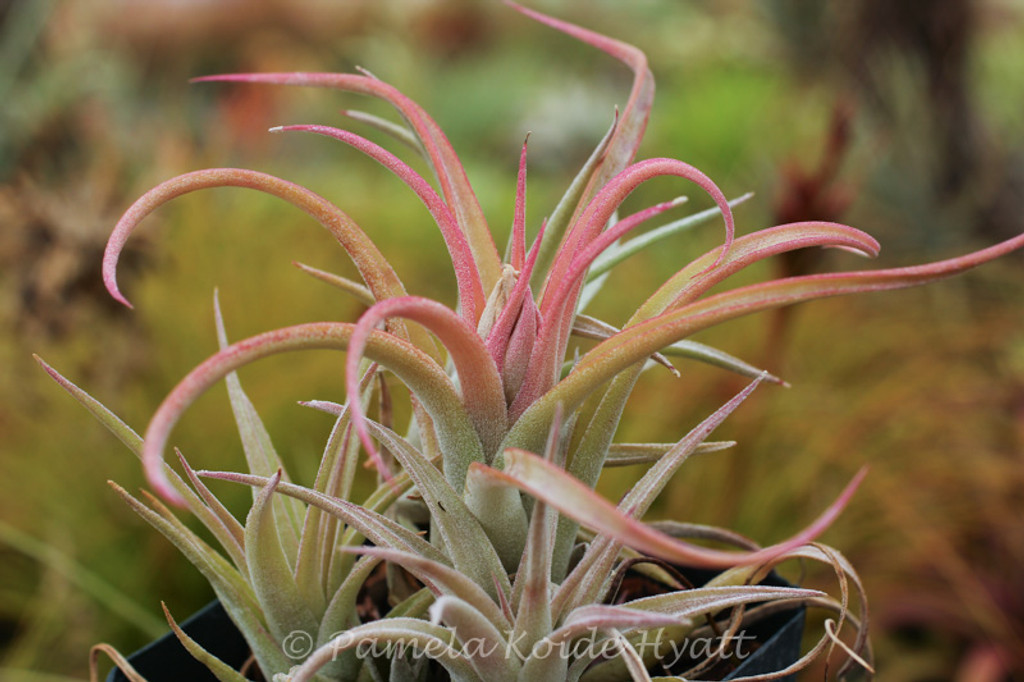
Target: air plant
{"points": [[500, 556]]}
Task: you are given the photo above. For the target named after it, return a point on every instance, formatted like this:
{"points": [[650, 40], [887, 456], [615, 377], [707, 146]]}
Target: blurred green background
{"points": [[902, 119]]}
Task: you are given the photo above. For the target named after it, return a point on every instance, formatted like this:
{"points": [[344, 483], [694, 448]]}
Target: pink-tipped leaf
{"points": [[374, 268], [471, 294], [424, 377], [482, 394], [622, 146], [451, 175], [533, 475], [518, 255]]}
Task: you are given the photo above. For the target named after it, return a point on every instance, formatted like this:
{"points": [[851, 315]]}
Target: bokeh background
{"points": [[901, 118]]}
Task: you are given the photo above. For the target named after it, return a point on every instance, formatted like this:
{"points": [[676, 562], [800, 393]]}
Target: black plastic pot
{"points": [[779, 636], [166, 660], [782, 634]]}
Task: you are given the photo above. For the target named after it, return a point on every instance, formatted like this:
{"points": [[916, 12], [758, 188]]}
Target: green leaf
{"points": [[469, 547], [271, 577], [221, 670], [234, 593], [558, 223], [642, 495], [592, 328], [104, 415], [359, 292], [500, 512], [481, 642], [718, 358], [260, 454], [532, 596], [629, 454], [212, 517], [379, 529], [218, 520], [395, 130], [342, 614], [444, 580], [319, 565]]}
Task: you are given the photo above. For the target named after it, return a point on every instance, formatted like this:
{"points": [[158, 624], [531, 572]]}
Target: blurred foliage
{"points": [[927, 386]]}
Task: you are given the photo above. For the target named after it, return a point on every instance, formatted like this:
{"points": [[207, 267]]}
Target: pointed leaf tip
{"points": [[533, 475]]}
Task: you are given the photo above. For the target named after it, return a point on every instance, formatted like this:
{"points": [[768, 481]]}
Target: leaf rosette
{"points": [[486, 499]]}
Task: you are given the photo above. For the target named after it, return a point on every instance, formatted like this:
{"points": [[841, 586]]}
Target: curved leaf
{"points": [[625, 138], [620, 252], [642, 495], [417, 370], [374, 268], [483, 398], [120, 662], [696, 278], [533, 475], [471, 293], [554, 303], [480, 641], [579, 588], [451, 175], [595, 429], [635, 343], [443, 579], [682, 322], [558, 303], [260, 454]]}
